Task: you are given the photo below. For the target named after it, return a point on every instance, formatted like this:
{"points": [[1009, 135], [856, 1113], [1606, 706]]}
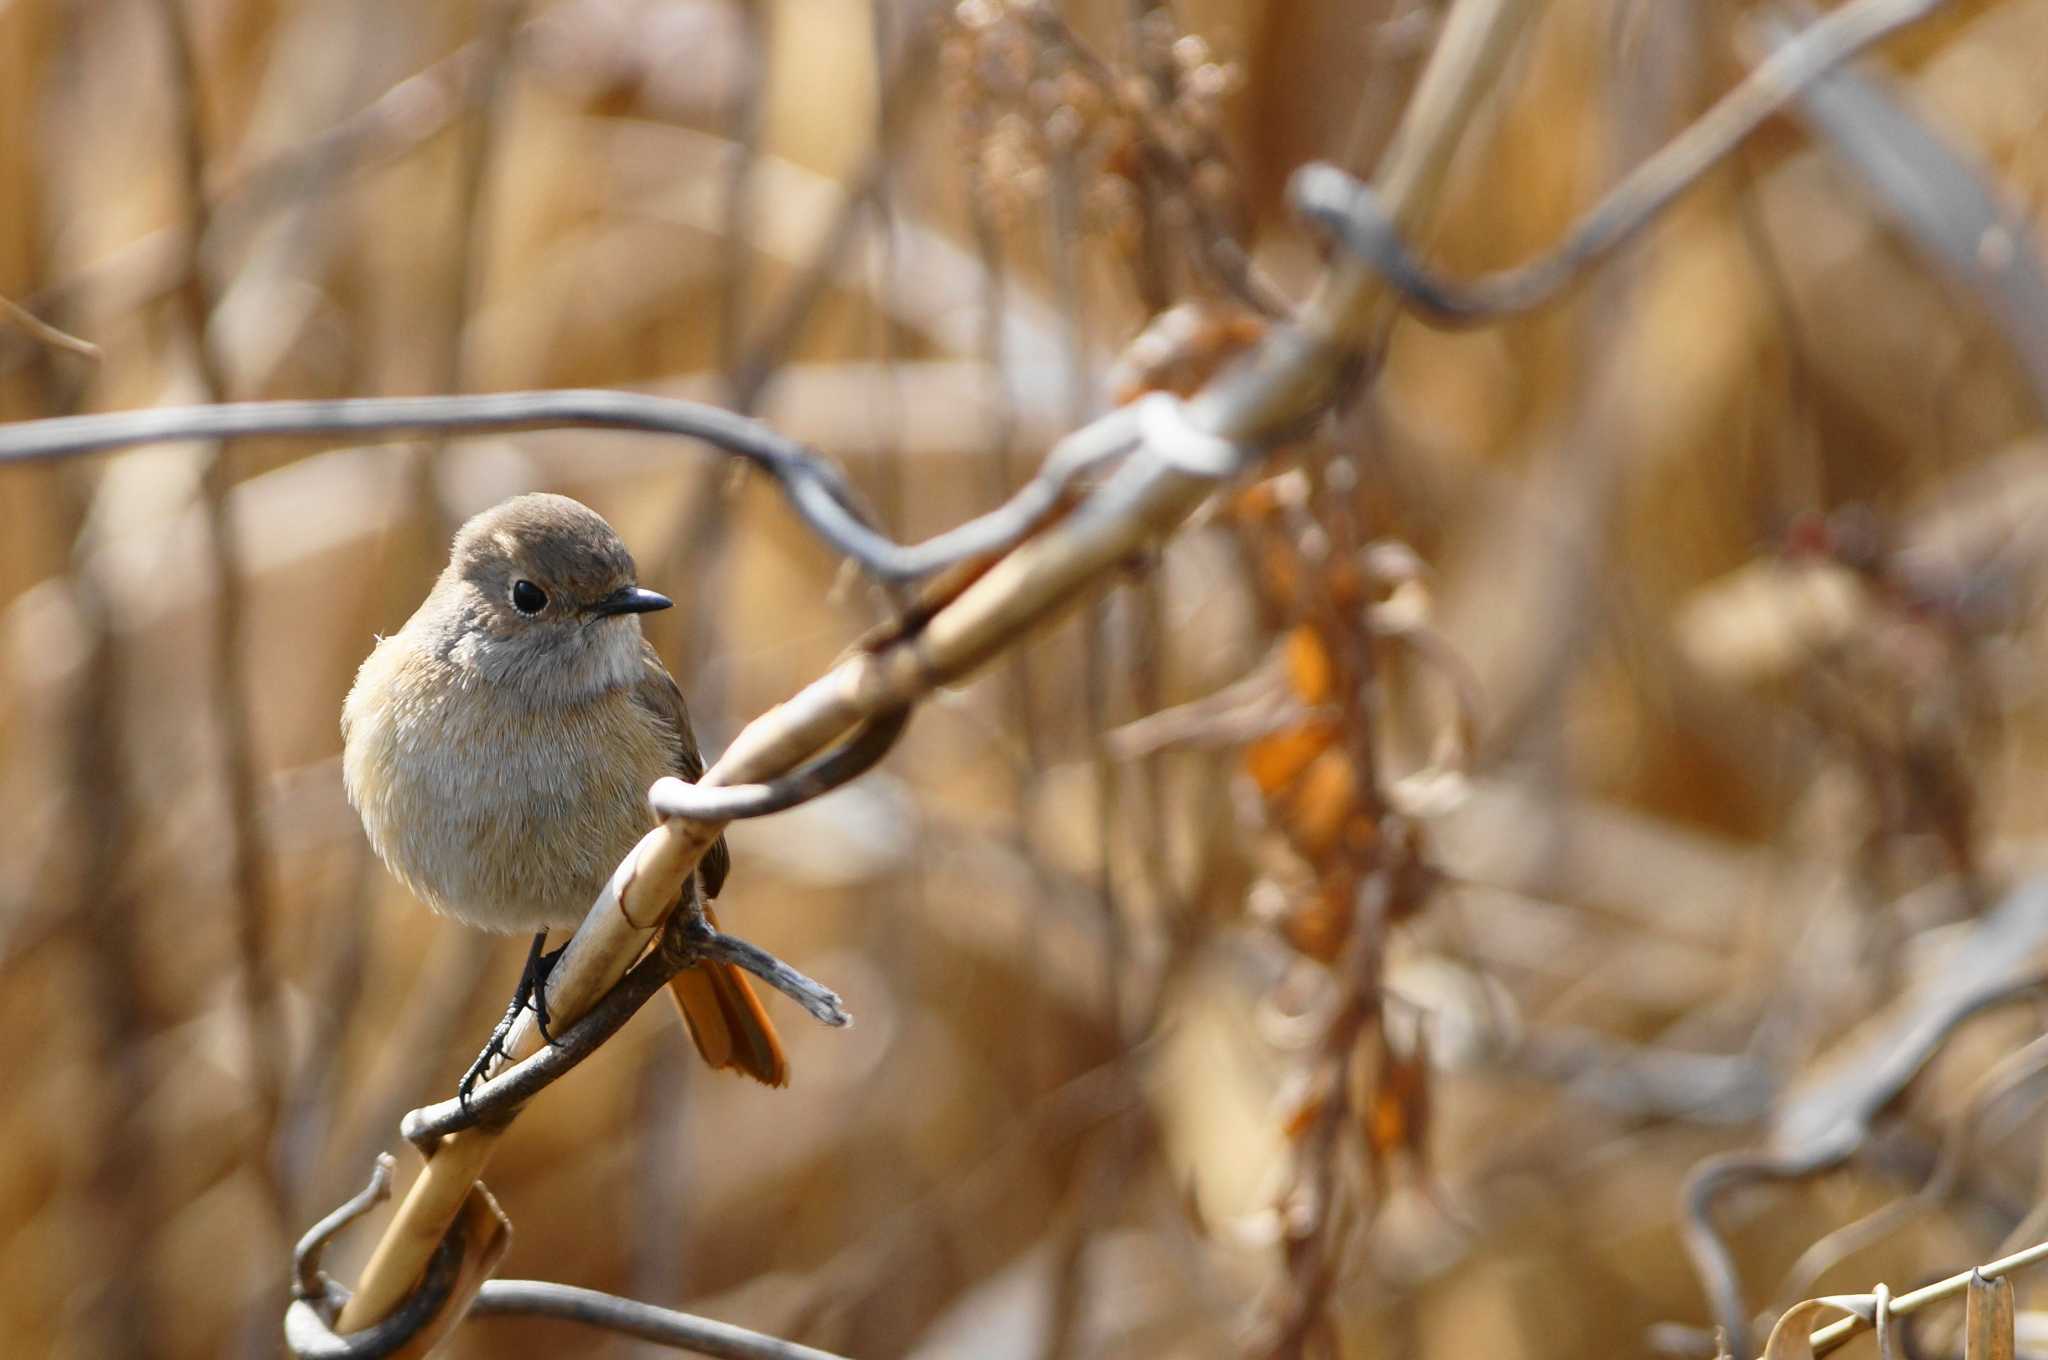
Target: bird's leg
{"points": [[532, 988], [533, 983]]}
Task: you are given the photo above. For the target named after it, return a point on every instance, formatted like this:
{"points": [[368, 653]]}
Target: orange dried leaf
{"points": [[1309, 668], [1280, 573], [1345, 585], [1257, 501], [1398, 1116], [1323, 803], [1317, 928], [1303, 1113], [1275, 762], [1361, 835]]}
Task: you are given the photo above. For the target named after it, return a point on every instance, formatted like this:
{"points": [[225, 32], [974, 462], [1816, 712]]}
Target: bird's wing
{"points": [[657, 693]]}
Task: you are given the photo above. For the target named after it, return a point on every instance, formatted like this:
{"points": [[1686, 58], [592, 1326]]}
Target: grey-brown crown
{"points": [[559, 542]]}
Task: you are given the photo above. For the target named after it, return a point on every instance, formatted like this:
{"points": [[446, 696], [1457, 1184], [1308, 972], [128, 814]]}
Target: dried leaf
{"points": [[1309, 667], [1318, 927], [1275, 762], [1256, 502], [1397, 1117], [1304, 1110], [1324, 803], [1792, 1338]]}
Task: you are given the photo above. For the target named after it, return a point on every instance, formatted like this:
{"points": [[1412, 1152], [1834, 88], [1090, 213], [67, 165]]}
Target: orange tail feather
{"points": [[728, 1022]]}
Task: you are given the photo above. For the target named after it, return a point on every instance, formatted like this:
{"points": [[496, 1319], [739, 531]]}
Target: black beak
{"points": [[630, 600]]}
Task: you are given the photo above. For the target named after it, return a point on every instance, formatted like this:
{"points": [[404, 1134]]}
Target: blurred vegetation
{"points": [[1620, 724]]}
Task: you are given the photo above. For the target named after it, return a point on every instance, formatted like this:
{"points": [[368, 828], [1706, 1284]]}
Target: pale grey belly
{"points": [[518, 841]]}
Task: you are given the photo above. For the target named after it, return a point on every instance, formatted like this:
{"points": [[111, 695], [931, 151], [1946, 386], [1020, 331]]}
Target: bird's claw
{"points": [[532, 990]]}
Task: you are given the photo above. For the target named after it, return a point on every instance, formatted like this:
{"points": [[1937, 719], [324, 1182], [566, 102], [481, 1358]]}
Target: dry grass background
{"points": [[1730, 810]]}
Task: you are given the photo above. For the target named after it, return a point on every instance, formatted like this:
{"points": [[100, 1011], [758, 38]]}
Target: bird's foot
{"points": [[532, 990], [494, 1047]]}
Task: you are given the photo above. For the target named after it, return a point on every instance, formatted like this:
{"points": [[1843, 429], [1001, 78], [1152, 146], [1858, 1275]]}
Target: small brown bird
{"points": [[500, 746]]}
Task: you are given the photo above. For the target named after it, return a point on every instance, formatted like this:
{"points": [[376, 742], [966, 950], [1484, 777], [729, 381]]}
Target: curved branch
{"points": [[306, 1282], [664, 1326], [309, 1324], [859, 753], [1355, 214], [1833, 1138], [816, 490]]}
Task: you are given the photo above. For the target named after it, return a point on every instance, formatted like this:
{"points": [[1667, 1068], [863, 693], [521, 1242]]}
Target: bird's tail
{"points": [[728, 1022]]}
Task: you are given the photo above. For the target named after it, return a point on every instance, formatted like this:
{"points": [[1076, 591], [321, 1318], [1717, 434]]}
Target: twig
{"points": [[46, 334], [743, 119], [121, 1171], [822, 1002], [125, 1176], [1070, 1284], [1358, 1007], [881, 273], [695, 550], [1355, 214]]}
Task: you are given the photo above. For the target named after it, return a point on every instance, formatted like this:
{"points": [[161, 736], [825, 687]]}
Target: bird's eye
{"points": [[528, 598]]}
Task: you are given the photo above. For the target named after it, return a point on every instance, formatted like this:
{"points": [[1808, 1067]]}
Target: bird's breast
{"points": [[507, 816]]}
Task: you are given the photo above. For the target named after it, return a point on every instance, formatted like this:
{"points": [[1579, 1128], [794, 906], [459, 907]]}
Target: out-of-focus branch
{"points": [[1947, 204], [817, 491], [902, 84], [2015, 1071], [1359, 215], [1832, 1336], [248, 848], [45, 334], [1828, 1130], [538, 1298], [481, 135]]}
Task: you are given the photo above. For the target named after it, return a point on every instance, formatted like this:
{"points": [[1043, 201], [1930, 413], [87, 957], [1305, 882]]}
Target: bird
{"points": [[499, 748]]}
